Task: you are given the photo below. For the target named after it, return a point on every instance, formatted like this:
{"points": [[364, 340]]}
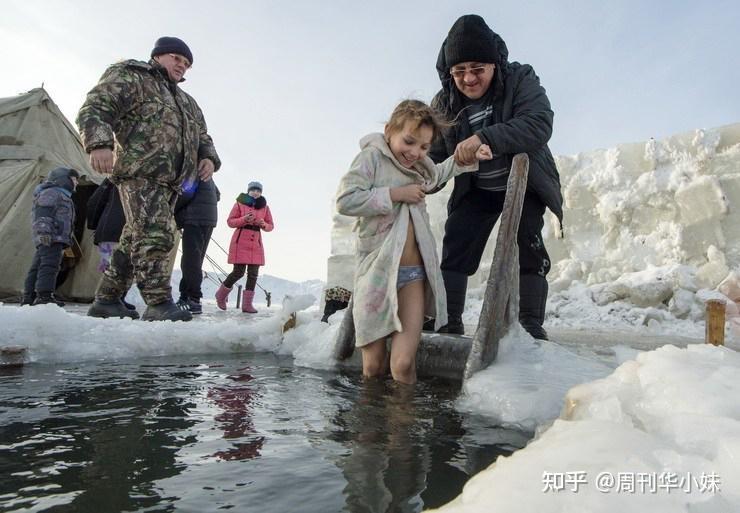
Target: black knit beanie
{"points": [[470, 40], [167, 44]]}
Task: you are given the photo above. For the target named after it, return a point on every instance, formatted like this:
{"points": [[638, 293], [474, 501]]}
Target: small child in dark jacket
{"points": [[53, 217]]}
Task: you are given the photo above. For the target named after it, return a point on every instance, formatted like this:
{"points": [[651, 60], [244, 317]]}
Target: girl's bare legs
{"points": [[405, 343], [374, 359]]}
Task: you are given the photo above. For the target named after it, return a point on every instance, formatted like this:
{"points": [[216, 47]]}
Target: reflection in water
{"points": [[236, 418], [404, 451], [176, 434], [385, 467]]}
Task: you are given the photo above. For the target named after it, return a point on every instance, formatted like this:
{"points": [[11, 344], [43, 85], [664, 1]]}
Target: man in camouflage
{"points": [[161, 145]]}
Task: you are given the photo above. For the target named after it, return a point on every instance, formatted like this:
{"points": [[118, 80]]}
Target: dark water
{"points": [[242, 433]]}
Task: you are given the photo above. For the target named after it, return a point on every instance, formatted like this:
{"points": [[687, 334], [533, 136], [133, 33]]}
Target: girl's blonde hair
{"points": [[419, 114]]}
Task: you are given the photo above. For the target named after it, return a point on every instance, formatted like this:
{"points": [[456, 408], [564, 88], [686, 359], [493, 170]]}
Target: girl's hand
{"points": [[262, 223], [484, 152], [412, 193], [248, 217]]}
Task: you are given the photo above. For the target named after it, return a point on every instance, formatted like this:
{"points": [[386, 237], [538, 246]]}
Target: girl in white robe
{"points": [[397, 276]]}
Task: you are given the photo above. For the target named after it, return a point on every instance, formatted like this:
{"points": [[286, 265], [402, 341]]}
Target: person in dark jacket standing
{"points": [[53, 218], [502, 104], [196, 213]]}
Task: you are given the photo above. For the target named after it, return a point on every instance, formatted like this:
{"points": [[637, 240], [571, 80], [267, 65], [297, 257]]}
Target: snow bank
{"points": [[652, 224], [526, 386], [660, 434], [53, 335]]}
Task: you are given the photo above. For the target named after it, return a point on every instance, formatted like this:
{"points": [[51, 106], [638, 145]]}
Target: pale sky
{"points": [[289, 88]]}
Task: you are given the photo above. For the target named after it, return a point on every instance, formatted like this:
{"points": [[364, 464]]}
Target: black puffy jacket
{"points": [[198, 205]]}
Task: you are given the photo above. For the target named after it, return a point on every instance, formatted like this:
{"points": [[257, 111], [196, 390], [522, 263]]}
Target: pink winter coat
{"points": [[246, 244]]}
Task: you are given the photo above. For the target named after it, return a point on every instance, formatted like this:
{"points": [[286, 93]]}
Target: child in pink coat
{"points": [[249, 216]]}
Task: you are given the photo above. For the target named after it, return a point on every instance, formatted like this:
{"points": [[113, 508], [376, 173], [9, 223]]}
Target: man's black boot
{"points": [[167, 311], [104, 308], [28, 299], [454, 326], [532, 302], [456, 285], [45, 298]]}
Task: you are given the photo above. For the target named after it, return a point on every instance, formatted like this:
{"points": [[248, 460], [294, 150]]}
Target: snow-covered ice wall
{"points": [[652, 223], [657, 203]]}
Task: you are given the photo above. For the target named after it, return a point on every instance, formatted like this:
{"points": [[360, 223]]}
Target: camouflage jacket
{"points": [[160, 133]]}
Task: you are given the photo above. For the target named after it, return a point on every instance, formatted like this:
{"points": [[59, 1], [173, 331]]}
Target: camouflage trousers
{"points": [[145, 245]]}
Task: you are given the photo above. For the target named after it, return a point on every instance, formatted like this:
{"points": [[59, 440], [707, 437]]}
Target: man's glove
{"points": [[45, 239]]}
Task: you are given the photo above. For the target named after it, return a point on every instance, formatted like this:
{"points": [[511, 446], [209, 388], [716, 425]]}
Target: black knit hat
{"points": [[470, 40], [167, 44]]}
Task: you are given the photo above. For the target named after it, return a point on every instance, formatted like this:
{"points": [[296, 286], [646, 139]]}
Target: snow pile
{"points": [[650, 225], [660, 434], [526, 386]]}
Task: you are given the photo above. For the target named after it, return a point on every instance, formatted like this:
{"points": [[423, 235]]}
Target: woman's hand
{"points": [[412, 193]]}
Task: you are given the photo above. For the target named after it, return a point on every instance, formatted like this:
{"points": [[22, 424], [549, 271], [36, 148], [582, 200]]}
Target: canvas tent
{"points": [[35, 138]]}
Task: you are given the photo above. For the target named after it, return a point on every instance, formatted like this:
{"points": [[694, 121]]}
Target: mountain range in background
{"points": [[277, 287]]}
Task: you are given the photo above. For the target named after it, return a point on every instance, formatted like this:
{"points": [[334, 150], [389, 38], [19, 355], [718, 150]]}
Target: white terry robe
{"points": [[382, 226]]}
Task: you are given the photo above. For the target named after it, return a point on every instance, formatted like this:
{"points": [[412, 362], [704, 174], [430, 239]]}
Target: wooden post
{"points": [[715, 322], [501, 300], [345, 343], [238, 296], [290, 323]]}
